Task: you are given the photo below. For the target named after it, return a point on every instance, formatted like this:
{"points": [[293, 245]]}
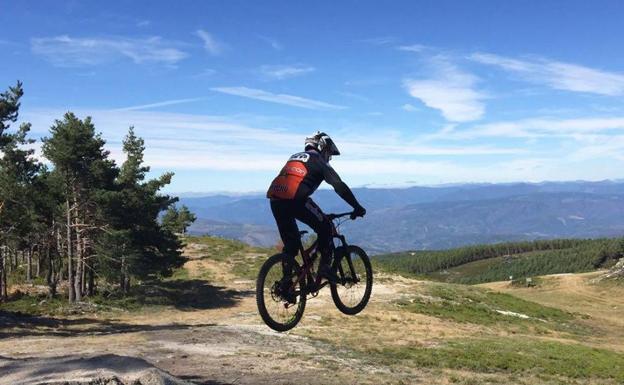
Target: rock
{"points": [[107, 369], [616, 272]]}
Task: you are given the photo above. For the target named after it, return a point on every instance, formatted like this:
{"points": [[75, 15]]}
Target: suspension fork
{"points": [[347, 256]]}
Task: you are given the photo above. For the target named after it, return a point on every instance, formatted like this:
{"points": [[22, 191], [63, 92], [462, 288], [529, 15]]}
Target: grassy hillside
{"points": [[566, 331], [487, 263]]}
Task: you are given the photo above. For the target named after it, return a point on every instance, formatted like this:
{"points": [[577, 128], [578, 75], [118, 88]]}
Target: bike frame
{"points": [[308, 259]]}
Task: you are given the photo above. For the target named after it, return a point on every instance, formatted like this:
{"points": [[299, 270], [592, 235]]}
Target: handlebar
{"points": [[336, 216]]}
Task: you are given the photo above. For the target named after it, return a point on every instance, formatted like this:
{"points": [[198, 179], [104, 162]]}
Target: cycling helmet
{"points": [[321, 142]]}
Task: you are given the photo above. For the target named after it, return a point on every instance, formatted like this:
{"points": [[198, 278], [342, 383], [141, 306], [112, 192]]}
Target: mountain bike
{"points": [[350, 293]]}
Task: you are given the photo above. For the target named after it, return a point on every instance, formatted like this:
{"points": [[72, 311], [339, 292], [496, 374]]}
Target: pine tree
{"points": [[170, 219], [136, 245], [78, 155], [185, 219], [9, 107], [177, 221], [17, 172]]}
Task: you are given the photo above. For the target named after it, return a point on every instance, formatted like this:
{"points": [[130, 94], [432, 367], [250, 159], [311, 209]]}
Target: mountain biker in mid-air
{"points": [[290, 201]]}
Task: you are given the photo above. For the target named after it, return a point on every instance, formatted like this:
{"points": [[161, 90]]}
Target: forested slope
{"points": [[496, 262]]}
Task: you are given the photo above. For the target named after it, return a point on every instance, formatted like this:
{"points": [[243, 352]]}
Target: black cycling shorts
{"points": [[286, 212]]}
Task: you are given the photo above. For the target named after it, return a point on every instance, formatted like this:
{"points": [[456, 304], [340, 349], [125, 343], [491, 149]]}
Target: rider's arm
{"points": [[341, 188]]}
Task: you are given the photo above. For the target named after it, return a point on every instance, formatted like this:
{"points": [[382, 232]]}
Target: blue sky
{"points": [[413, 92]]}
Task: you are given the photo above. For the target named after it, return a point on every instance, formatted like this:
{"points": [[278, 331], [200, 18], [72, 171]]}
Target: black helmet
{"points": [[321, 142]]}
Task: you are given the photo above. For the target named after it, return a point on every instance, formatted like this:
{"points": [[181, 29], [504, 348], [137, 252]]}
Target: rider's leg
{"points": [[312, 215], [283, 211]]}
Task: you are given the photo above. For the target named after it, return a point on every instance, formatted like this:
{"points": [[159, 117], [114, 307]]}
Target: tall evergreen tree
{"points": [[78, 154], [137, 246], [9, 108], [17, 172]]}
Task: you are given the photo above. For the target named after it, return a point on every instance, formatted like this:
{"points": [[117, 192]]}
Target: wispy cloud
{"points": [[450, 90], [380, 40], [412, 48], [205, 73], [214, 144], [143, 23], [543, 127], [281, 72], [211, 44], [609, 147], [558, 75], [408, 107], [276, 45], [66, 51], [158, 104], [266, 96]]}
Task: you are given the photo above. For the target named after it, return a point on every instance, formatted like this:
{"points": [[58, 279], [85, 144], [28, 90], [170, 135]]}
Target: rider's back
{"points": [[300, 177]]}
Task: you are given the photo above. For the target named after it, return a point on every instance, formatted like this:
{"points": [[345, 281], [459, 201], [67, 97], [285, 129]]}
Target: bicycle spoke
{"points": [[276, 311], [351, 294]]}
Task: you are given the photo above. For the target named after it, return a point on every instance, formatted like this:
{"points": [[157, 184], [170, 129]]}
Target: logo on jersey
{"points": [[294, 170], [300, 156]]}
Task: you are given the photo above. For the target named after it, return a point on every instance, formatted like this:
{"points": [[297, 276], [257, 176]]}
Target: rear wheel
{"points": [[355, 280], [275, 311]]}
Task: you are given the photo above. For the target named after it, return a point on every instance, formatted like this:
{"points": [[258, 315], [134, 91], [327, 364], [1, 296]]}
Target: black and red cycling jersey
{"points": [[302, 175]]}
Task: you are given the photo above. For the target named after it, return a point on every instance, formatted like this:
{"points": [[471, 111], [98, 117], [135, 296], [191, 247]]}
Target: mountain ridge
{"points": [[438, 217]]}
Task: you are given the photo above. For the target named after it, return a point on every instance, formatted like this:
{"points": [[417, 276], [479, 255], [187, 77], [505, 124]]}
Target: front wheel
{"points": [[275, 311], [355, 280]]}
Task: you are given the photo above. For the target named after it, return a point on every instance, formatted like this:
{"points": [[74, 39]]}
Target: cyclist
{"points": [[290, 201]]}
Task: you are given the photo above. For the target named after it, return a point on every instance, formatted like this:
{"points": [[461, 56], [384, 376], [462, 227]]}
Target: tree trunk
{"points": [[79, 267], [125, 281], [79, 248], [84, 265], [91, 283], [70, 275], [51, 276], [29, 265], [3, 276], [2, 280], [38, 271]]}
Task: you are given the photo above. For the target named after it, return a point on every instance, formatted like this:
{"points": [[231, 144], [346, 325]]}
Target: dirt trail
{"points": [[226, 344]]}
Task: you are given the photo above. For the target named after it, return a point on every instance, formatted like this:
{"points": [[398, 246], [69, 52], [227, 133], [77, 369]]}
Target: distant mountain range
{"points": [[436, 217]]}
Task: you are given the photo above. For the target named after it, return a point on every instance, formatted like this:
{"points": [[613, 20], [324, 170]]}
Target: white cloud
{"points": [[408, 107], [281, 72], [210, 43], [215, 144], [451, 91], [66, 51], [224, 143], [158, 104], [266, 96], [412, 48], [558, 75]]}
